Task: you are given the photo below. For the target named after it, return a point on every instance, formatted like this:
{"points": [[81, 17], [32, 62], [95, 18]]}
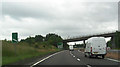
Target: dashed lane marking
{"points": [[71, 53], [78, 59], [73, 56], [80, 51]]}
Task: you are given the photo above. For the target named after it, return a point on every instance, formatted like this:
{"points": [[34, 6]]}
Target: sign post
{"points": [[15, 40]]}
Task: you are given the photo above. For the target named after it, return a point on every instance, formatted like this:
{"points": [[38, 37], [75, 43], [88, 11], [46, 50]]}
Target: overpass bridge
{"points": [[113, 36]]}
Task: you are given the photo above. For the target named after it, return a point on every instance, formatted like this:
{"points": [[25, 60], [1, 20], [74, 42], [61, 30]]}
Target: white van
{"points": [[71, 47], [95, 46]]}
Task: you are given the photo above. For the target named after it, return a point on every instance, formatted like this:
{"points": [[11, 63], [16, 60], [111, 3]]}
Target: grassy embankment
{"points": [[22, 51], [113, 55]]}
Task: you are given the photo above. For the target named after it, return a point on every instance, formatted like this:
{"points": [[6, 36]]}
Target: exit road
{"points": [[75, 57]]}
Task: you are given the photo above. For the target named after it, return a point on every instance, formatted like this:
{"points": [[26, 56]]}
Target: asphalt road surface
{"points": [[75, 57]]}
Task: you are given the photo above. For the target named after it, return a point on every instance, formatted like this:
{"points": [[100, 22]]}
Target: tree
{"points": [[39, 38], [53, 39], [50, 39], [48, 36], [30, 40], [109, 44]]}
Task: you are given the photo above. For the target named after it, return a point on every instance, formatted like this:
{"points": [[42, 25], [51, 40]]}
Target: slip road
{"points": [[75, 57]]}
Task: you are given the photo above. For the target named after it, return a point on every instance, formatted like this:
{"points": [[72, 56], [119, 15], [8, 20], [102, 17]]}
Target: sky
{"points": [[67, 18]]}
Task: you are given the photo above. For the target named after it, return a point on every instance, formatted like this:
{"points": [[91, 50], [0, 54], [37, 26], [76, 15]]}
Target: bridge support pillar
{"points": [[84, 43], [113, 41], [65, 45]]}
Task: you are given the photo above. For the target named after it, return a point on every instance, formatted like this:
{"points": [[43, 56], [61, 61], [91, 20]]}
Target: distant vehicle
{"points": [[108, 48], [96, 46], [71, 47]]}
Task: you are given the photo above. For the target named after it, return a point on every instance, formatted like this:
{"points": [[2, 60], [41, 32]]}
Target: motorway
{"points": [[75, 57]]}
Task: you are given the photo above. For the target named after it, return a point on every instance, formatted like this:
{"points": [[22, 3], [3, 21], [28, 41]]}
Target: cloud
{"points": [[66, 18], [61, 0]]}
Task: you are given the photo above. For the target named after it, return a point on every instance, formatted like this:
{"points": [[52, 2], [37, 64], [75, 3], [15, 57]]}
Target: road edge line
{"points": [[112, 59], [45, 59]]}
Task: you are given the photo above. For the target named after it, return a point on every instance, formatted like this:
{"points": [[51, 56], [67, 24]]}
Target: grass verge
{"points": [[113, 55], [12, 53]]}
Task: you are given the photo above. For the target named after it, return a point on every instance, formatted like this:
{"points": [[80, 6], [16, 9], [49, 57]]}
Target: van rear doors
{"points": [[98, 46]]}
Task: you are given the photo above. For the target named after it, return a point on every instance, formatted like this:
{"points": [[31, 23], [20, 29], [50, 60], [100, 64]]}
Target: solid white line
{"points": [[112, 59], [78, 59], [45, 59]]}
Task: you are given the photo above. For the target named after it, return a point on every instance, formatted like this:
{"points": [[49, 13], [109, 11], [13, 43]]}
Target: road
{"points": [[75, 57]]}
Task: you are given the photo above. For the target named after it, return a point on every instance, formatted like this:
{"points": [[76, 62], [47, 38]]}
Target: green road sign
{"points": [[14, 37], [60, 45]]}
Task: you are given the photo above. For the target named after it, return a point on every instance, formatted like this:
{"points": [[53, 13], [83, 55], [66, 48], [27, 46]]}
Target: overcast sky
{"points": [[67, 18]]}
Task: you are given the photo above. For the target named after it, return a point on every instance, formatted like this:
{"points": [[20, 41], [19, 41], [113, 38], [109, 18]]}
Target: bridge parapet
{"points": [[85, 37], [113, 35]]}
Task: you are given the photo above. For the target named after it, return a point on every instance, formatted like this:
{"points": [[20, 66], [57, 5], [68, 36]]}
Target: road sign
{"points": [[60, 45], [14, 37]]}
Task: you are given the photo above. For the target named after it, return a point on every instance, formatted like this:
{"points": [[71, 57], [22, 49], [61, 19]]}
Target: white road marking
{"points": [[112, 59], [73, 56], [80, 51], [88, 66], [71, 53], [78, 59], [45, 58]]}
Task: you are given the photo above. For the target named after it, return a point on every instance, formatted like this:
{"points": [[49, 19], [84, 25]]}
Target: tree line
{"points": [[48, 40]]}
